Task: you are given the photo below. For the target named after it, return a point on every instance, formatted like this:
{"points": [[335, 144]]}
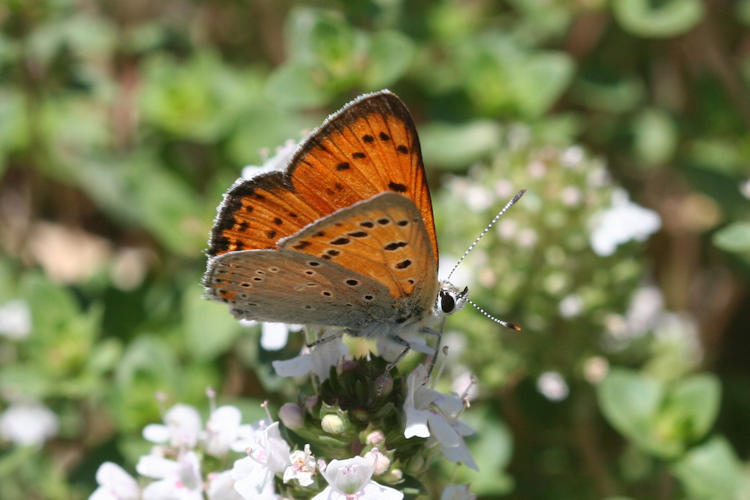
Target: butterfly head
{"points": [[450, 298]]}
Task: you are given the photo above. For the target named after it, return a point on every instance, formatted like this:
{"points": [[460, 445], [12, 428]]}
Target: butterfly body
{"points": [[342, 237]]}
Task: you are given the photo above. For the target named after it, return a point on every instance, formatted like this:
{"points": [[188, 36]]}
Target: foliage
{"points": [[122, 122]]}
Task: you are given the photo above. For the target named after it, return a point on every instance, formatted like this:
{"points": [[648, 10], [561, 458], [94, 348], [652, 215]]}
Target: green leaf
{"points": [[455, 147], [630, 402], [712, 471], [697, 398], [541, 80], [734, 238], [614, 96], [492, 448], [209, 328], [655, 137], [389, 57], [668, 19], [297, 85]]}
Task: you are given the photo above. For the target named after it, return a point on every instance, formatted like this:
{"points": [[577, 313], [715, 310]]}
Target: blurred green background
{"points": [[122, 122]]}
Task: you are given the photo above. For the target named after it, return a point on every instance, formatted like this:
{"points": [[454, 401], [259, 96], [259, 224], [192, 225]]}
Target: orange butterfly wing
{"points": [[381, 238], [368, 147]]}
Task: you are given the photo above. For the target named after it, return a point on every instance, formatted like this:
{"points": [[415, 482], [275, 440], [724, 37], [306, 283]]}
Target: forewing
{"points": [[368, 147]]}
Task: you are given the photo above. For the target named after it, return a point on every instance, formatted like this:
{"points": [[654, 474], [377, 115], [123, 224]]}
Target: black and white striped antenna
{"points": [[494, 220]]}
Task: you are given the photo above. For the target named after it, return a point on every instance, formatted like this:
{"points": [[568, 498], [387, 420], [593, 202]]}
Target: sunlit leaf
{"points": [[651, 20]]}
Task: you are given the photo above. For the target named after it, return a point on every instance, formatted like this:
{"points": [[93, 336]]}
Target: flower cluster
{"points": [[346, 441], [562, 265]]}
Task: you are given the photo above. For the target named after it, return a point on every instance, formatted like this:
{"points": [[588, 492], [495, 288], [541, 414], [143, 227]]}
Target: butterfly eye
{"points": [[447, 303]]}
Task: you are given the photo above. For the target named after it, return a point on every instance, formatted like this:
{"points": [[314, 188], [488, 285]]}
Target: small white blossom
{"points": [[15, 320], [115, 484], [273, 336], [182, 427], [268, 455], [222, 429], [390, 350], [352, 479], [527, 237], [457, 492], [595, 369], [221, 486], [572, 156], [571, 196], [177, 479], [537, 169], [571, 306], [745, 189], [291, 415], [464, 384], [28, 424], [319, 360], [302, 467], [646, 306], [478, 198], [432, 414], [552, 386], [623, 222]]}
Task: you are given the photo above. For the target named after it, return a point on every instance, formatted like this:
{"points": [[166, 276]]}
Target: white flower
{"points": [[115, 484], [644, 311], [273, 336], [319, 361], [457, 492], [352, 479], [552, 386], [268, 455], [390, 350], [572, 156], [221, 486], [182, 427], [595, 369], [177, 479], [222, 429], [478, 198], [302, 467], [432, 414], [536, 169], [623, 222], [527, 237], [745, 188], [464, 383], [28, 424], [570, 306], [571, 196], [15, 320]]}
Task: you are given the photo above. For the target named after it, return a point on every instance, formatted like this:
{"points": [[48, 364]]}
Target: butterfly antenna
{"points": [[506, 324], [481, 235]]}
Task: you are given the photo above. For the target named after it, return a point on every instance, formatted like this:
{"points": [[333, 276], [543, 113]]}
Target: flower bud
{"points": [[384, 385], [291, 416], [375, 438], [378, 461], [332, 424]]}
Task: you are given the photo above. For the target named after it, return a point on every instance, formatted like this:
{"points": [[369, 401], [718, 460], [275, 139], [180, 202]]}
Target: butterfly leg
{"points": [[439, 335], [328, 338]]}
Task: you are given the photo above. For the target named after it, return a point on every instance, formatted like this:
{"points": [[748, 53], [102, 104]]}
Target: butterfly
{"points": [[343, 236]]}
